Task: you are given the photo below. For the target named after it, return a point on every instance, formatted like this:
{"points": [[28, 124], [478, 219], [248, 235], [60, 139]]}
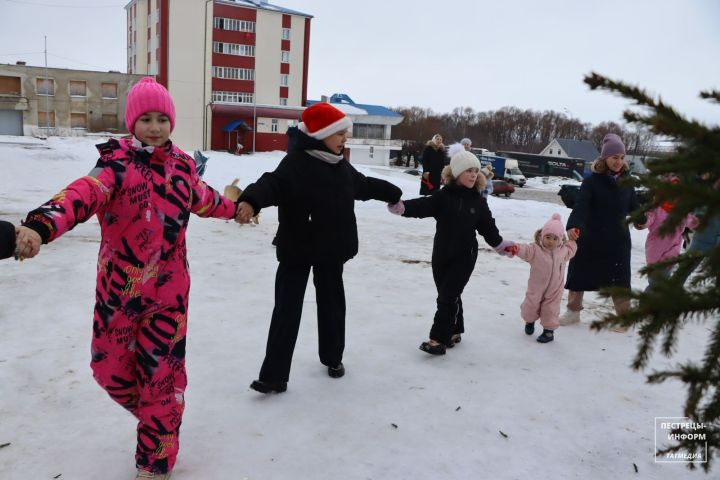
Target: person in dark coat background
{"points": [[597, 223], [434, 160], [7, 239], [315, 189], [461, 212]]}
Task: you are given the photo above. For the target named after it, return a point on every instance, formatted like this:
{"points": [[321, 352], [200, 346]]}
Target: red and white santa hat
{"points": [[322, 120]]}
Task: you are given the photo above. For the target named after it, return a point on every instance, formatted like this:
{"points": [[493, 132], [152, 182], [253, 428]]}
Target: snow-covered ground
{"points": [[497, 406]]}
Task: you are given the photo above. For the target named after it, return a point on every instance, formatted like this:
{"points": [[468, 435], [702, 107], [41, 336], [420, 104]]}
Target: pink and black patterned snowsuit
{"points": [[143, 199]]}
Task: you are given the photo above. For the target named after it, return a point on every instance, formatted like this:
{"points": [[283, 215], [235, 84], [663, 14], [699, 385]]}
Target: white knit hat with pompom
{"points": [[461, 159]]}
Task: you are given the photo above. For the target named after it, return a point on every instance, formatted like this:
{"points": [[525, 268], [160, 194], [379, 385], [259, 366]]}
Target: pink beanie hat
{"points": [[148, 96], [321, 120], [554, 226], [612, 145]]}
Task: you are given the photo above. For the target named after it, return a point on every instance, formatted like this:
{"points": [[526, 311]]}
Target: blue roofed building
{"points": [[370, 143]]}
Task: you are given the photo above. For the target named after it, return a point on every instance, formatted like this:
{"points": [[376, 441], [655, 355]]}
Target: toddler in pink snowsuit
{"points": [[548, 257], [142, 190]]}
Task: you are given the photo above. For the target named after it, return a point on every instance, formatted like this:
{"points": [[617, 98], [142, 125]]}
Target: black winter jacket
{"points": [[7, 239], [316, 204], [603, 254], [433, 162], [459, 212]]}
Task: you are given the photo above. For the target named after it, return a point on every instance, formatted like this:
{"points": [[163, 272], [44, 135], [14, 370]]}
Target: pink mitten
{"points": [[396, 208]]}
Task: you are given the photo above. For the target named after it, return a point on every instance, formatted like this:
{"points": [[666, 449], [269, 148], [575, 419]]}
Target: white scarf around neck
{"points": [[328, 157]]}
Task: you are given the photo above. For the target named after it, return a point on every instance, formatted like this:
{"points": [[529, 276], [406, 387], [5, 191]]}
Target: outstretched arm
{"points": [[207, 202], [75, 204], [370, 188]]}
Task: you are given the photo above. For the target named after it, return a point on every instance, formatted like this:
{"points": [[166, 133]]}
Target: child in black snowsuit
{"points": [[460, 211], [315, 189]]}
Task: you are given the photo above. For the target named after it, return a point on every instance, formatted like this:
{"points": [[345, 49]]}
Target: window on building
{"points": [[10, 85], [364, 130], [283, 101], [109, 90], [232, 97], [78, 120], [285, 56], [274, 125], [234, 49], [234, 73], [45, 86], [292, 123], [286, 34], [372, 151], [46, 119], [78, 88], [551, 151], [110, 122], [233, 24], [284, 80]]}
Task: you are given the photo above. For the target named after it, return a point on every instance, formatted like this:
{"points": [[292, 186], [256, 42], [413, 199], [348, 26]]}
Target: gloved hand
{"points": [[506, 248], [396, 208]]}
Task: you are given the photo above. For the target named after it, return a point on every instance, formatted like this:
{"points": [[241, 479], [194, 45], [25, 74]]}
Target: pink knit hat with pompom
{"points": [[554, 226], [148, 96]]}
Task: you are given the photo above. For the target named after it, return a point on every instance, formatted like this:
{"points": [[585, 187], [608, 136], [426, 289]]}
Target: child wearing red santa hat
{"points": [[314, 188]]}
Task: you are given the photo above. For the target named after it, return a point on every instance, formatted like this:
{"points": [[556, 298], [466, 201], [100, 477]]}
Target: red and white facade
{"points": [[229, 65]]}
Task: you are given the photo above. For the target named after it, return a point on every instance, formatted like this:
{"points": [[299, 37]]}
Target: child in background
{"points": [[315, 190], [143, 190], [660, 247], [7, 239], [487, 171], [460, 212], [548, 257]]}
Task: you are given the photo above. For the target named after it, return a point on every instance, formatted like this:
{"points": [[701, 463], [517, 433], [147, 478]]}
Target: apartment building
{"points": [[237, 70], [57, 101]]}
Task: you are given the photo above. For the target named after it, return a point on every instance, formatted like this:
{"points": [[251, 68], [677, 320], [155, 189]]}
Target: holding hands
{"points": [[27, 243], [573, 234], [396, 208], [506, 248], [244, 213]]}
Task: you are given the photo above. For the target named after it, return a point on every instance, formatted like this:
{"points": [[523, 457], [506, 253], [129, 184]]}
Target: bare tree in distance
{"points": [[512, 128]]}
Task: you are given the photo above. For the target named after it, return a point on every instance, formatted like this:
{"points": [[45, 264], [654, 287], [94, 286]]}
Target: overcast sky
{"points": [[441, 55]]}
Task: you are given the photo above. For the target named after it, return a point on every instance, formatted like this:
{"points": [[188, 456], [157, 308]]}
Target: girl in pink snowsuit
{"points": [[660, 247], [548, 257], [142, 190]]}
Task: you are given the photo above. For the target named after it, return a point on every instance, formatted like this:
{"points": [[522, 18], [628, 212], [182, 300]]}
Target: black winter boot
{"points": [[546, 336], [268, 387], [529, 328], [437, 349], [336, 372]]}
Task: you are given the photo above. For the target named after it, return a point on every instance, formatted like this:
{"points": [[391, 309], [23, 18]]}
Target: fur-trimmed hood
{"points": [[430, 143], [447, 179]]}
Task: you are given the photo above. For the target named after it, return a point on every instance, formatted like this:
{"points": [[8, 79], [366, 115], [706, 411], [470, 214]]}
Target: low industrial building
{"points": [[42, 101]]}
